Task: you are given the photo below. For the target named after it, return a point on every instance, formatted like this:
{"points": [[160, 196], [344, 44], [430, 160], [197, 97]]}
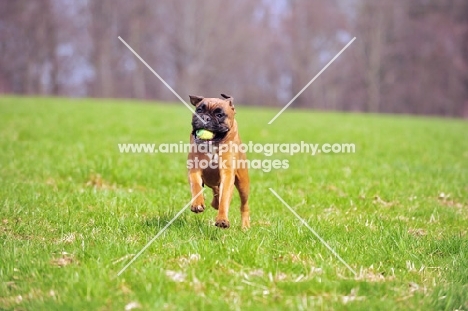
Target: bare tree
{"points": [[103, 34], [410, 56], [310, 29]]}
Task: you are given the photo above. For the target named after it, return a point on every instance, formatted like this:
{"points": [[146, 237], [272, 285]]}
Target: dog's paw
{"points": [[222, 223], [245, 223], [197, 208]]}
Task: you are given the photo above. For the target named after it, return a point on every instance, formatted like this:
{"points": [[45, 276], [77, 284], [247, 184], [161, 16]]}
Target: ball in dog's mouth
{"points": [[204, 134]]}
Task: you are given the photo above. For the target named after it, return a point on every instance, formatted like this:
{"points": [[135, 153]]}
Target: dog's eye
{"points": [[200, 108], [219, 115]]}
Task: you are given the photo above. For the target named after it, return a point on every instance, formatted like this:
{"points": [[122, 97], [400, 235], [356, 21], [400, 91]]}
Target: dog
{"points": [[218, 118]]}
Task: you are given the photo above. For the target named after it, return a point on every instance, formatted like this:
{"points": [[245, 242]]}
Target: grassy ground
{"points": [[72, 209]]}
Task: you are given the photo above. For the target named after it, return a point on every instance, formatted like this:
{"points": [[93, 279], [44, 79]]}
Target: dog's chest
{"points": [[210, 172], [213, 157]]}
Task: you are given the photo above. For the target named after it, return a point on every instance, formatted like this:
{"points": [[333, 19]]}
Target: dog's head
{"points": [[217, 115]]}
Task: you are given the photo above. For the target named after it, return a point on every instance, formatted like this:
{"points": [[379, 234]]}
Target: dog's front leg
{"points": [[226, 188], [196, 185]]}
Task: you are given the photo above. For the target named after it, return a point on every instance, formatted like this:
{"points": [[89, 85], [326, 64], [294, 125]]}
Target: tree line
{"points": [[409, 56]]}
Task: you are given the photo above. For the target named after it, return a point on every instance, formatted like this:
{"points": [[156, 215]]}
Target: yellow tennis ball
{"points": [[204, 134]]}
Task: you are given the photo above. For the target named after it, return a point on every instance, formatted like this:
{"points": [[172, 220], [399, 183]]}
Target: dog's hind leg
{"points": [[215, 201]]}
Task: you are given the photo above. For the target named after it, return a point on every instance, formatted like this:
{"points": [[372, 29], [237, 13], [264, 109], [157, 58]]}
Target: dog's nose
{"points": [[206, 118]]}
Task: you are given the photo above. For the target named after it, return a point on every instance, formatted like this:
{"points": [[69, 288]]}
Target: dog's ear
{"points": [[230, 99], [195, 100]]}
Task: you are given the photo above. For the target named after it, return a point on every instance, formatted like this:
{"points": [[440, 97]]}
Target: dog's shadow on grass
{"points": [[202, 228], [160, 221]]}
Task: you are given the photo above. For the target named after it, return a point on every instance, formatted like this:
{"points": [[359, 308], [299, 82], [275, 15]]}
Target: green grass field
{"points": [[73, 210]]}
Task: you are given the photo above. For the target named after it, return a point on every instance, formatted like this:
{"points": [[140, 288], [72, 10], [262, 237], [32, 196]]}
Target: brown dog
{"points": [[223, 172]]}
